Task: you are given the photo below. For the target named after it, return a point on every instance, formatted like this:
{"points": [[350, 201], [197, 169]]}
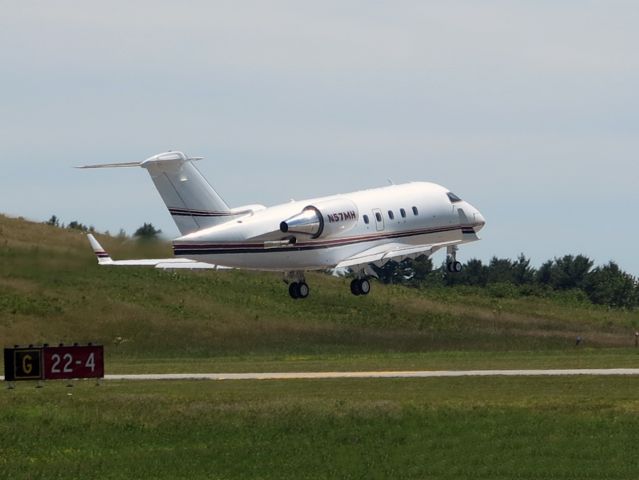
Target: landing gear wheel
{"points": [[360, 286], [302, 290], [298, 290], [454, 267]]}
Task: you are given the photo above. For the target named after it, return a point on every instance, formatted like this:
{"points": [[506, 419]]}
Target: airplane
{"points": [[347, 231]]}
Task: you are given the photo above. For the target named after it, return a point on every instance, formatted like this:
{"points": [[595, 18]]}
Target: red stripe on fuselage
{"points": [[316, 244]]}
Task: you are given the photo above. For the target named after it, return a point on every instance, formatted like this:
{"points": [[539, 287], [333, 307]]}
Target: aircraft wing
{"points": [[161, 263], [392, 251]]}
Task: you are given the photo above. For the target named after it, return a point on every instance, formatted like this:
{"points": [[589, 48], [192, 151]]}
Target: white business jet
{"points": [[350, 231]]}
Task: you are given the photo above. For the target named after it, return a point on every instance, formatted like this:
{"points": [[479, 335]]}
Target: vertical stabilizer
{"points": [[192, 202]]}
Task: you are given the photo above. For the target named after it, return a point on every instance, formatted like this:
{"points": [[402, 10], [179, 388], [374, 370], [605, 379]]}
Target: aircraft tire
{"points": [[355, 287], [364, 286], [302, 290], [294, 290], [457, 267]]}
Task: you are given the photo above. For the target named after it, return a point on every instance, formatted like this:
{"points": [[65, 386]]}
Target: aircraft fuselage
{"points": [[414, 213]]}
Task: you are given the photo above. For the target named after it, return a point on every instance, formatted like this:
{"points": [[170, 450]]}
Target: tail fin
{"points": [[191, 201], [103, 256]]}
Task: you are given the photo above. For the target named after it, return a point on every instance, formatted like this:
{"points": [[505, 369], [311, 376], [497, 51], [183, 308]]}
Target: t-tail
{"points": [[191, 200]]}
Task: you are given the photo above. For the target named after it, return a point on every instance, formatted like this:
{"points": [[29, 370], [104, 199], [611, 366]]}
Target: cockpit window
{"points": [[453, 198]]}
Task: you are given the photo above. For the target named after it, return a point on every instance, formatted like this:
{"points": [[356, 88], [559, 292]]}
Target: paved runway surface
{"points": [[405, 374]]}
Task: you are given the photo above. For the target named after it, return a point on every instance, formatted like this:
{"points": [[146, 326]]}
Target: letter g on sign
{"points": [[27, 364]]}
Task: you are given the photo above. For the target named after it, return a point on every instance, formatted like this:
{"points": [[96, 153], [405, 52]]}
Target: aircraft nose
{"points": [[480, 221]]}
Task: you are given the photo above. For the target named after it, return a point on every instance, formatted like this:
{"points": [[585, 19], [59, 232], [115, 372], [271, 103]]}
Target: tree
{"points": [[75, 225], [500, 270], [54, 221], [475, 273], [570, 272], [421, 266], [147, 232], [523, 273], [543, 275], [609, 285]]}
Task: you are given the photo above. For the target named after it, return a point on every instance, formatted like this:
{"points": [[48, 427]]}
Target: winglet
{"points": [[103, 256]]}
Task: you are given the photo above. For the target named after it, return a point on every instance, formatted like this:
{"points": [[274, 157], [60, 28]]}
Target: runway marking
{"points": [[398, 374]]}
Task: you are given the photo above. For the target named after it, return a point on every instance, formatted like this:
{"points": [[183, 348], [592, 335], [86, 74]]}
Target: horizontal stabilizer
{"points": [[155, 159], [112, 165]]}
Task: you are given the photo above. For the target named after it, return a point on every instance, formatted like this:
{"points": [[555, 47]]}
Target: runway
{"points": [[398, 374], [381, 374]]}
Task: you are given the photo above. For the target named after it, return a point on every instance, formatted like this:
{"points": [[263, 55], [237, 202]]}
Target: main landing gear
{"points": [[297, 286], [452, 265], [360, 286], [298, 290]]}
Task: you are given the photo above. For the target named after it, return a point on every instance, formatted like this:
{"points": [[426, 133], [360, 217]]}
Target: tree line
{"points": [[146, 232], [602, 285]]}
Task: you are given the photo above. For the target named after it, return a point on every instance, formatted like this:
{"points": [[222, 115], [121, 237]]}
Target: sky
{"points": [[528, 110]]}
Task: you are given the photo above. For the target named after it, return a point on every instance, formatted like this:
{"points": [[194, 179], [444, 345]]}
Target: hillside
{"points": [[51, 290]]}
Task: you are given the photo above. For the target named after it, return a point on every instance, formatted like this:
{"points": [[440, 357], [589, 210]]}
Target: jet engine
{"points": [[323, 219]]}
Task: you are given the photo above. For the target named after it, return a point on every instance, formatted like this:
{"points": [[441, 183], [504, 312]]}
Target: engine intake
{"points": [[323, 219]]}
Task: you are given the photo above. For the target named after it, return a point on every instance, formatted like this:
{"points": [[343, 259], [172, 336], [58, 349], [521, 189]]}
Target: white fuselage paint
{"points": [[241, 243]]}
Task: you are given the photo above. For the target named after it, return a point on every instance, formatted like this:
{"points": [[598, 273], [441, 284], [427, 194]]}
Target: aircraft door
{"points": [[379, 219]]}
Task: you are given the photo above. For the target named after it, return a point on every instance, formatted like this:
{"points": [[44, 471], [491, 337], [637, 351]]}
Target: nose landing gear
{"points": [[452, 265]]}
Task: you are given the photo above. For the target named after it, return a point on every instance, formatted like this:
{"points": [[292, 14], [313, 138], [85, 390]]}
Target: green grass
{"points": [[51, 290], [560, 428], [440, 360]]}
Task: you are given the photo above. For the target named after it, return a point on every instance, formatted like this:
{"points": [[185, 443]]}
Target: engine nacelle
{"points": [[325, 218]]}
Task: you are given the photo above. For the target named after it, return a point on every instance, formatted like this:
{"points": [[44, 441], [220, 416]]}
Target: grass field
{"points": [[493, 428], [51, 290]]}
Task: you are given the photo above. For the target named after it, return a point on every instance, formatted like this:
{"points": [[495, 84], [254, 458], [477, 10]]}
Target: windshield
{"points": [[453, 198]]}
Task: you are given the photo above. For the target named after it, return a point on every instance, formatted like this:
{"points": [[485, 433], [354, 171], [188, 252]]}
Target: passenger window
{"points": [[391, 215], [415, 212], [378, 216], [402, 212], [366, 219]]}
